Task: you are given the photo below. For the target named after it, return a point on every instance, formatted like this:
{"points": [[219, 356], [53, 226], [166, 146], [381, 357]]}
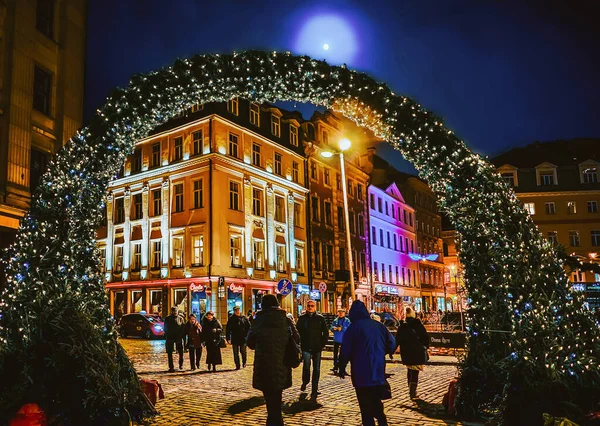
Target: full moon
{"points": [[337, 30], [325, 46]]}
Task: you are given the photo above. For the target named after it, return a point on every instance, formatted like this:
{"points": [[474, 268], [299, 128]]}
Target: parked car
{"points": [[141, 325]]}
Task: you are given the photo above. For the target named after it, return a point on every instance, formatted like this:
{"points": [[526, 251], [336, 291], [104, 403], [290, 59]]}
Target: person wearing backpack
{"points": [[414, 342]]}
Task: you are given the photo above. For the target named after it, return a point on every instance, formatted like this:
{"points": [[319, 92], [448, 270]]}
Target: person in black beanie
{"points": [[268, 337]]}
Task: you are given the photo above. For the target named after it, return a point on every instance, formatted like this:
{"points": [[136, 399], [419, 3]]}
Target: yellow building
{"points": [[42, 58], [209, 213], [559, 185]]}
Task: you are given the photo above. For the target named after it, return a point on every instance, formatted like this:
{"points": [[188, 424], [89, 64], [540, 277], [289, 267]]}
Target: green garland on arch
{"points": [[531, 345]]}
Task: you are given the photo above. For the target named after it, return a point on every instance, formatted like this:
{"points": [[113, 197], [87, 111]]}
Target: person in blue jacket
{"points": [[339, 327], [365, 345]]}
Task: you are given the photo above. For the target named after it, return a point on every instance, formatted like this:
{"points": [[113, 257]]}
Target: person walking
{"points": [[211, 331], [193, 331], [174, 337], [313, 338], [268, 337], [414, 342], [236, 332], [339, 327], [364, 345]]}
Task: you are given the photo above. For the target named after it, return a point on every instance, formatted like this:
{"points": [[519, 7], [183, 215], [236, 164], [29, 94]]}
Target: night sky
{"points": [[501, 73]]}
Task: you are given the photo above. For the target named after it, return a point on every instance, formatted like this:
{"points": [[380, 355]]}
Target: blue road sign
{"points": [[284, 287]]}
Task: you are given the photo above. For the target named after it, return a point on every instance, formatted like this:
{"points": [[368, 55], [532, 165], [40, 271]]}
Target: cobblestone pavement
{"points": [[227, 396]]}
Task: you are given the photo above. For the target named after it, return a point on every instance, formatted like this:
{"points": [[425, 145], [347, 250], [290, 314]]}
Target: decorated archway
{"points": [[529, 336]]}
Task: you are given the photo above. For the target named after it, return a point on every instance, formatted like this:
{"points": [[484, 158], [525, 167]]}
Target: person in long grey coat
{"points": [[268, 336]]}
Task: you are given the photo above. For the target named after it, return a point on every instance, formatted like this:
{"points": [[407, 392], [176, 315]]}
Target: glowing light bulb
{"points": [[325, 46]]}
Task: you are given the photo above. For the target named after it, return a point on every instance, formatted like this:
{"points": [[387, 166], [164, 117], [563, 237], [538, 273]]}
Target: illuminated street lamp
{"points": [[344, 145]]}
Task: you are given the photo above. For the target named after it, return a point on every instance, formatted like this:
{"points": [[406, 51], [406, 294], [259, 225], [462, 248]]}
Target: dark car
{"points": [[141, 325], [388, 319]]}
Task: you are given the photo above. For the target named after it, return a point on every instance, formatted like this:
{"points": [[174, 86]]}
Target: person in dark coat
{"points": [[365, 345], [211, 331], [193, 331], [313, 338], [268, 336], [174, 337], [236, 332], [414, 342]]}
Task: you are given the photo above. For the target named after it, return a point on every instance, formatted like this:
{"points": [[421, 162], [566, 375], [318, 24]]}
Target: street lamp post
{"points": [[344, 145]]}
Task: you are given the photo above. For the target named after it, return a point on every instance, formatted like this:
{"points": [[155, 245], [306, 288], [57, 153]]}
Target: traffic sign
{"points": [[284, 287], [322, 287]]}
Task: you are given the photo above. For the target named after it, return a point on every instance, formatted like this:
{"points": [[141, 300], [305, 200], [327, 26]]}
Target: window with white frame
{"points": [[198, 194], [197, 250], [178, 148], [279, 208], [197, 142], [550, 208], [293, 135], [275, 126], [547, 178], [509, 178], [298, 218], [156, 202], [295, 172], [592, 206], [281, 260], [553, 237], [233, 106], [257, 202], [177, 244], [119, 210], [255, 114], [178, 197], [137, 206], [530, 208], [233, 145], [155, 155], [258, 254], [118, 258], [235, 245], [574, 238], [590, 175], [300, 260], [155, 247], [136, 256], [595, 234], [234, 195], [256, 158], [277, 164], [571, 207]]}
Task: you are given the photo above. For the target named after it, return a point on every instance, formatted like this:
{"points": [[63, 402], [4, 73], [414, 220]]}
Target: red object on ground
{"points": [[29, 415], [152, 389], [450, 397]]}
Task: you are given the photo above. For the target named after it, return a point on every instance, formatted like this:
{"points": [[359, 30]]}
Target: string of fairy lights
{"points": [[516, 285]]}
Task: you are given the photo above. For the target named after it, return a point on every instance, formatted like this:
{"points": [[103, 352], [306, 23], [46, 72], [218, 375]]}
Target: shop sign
{"points": [[579, 287], [197, 288], [447, 340], [384, 289], [303, 289], [236, 288], [315, 295]]}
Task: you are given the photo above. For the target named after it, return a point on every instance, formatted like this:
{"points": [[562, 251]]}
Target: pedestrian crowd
{"points": [[280, 344]]}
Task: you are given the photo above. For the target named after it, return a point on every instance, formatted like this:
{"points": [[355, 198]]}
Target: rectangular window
{"points": [[389, 240], [361, 225], [375, 271], [363, 265], [44, 17], [197, 142], [342, 256], [350, 188], [383, 278], [572, 207], [178, 197], [315, 209], [395, 242], [590, 175], [257, 202], [235, 245], [546, 178], [103, 259], [137, 206], [155, 255], [379, 205], [326, 176], [509, 178], [313, 170], [595, 234], [155, 155], [233, 145], [258, 254], [299, 260], [374, 235], [295, 172], [327, 211], [340, 212], [281, 260], [234, 195], [198, 250], [256, 160], [390, 276], [372, 198], [317, 255], [198, 194], [574, 238], [277, 164], [197, 107], [530, 208], [400, 244], [381, 242], [42, 90], [279, 209], [325, 137], [298, 215], [329, 257], [405, 214], [338, 182], [397, 275], [275, 126], [255, 114], [294, 135], [120, 210], [592, 206], [118, 258], [386, 209], [177, 252], [352, 222], [136, 161], [233, 106], [156, 202], [178, 148], [553, 237], [359, 191], [550, 208]]}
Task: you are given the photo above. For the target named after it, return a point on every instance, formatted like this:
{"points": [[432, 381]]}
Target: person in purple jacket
{"points": [[365, 344]]}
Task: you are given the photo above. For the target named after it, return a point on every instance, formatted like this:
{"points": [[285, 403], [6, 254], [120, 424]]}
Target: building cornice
{"points": [[559, 193]]}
